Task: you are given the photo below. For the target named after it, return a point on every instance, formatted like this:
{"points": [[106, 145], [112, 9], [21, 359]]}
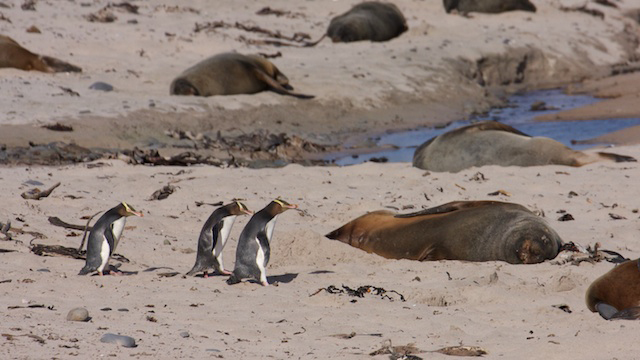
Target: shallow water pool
{"points": [[518, 114]]}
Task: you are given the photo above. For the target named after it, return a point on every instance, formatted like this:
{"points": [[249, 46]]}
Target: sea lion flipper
{"points": [[606, 311], [632, 313], [57, 65], [446, 208], [275, 85], [617, 157], [495, 126]]}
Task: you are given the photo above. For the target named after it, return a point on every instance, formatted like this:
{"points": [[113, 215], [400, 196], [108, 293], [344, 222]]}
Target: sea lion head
{"points": [[531, 242], [181, 86]]}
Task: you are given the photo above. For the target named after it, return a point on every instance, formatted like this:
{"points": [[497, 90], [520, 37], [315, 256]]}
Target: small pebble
{"points": [[102, 86], [185, 334], [78, 314], [126, 341]]}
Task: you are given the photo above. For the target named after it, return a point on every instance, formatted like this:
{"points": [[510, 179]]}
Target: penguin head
{"points": [[280, 206], [125, 209], [238, 208]]}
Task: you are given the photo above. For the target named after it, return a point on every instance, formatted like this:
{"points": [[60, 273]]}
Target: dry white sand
{"points": [[447, 302], [506, 309]]}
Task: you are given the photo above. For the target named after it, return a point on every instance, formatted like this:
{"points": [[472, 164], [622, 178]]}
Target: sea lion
{"points": [[616, 294], [230, 74], [487, 6], [12, 55], [459, 230], [371, 20], [494, 143]]}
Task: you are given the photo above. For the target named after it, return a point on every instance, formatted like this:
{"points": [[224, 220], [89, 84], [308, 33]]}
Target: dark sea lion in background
{"points": [[488, 6], [616, 294], [460, 230], [231, 74], [494, 143], [12, 55], [375, 21]]}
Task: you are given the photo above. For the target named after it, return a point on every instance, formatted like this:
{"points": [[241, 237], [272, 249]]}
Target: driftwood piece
{"points": [[37, 194]]}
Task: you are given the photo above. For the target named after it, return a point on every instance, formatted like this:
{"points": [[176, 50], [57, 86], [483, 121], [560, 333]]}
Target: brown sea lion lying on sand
{"points": [[616, 294], [460, 230], [494, 143], [12, 55], [375, 21], [230, 74], [487, 6]]}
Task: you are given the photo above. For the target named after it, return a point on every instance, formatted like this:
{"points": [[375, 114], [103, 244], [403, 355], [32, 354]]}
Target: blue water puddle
{"points": [[518, 114]]}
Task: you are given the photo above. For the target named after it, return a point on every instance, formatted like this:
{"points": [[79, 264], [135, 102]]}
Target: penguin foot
{"points": [[264, 283], [225, 272]]}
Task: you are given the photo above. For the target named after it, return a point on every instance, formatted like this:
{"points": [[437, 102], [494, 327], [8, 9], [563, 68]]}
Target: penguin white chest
{"points": [[227, 224], [116, 229], [105, 251], [261, 260]]}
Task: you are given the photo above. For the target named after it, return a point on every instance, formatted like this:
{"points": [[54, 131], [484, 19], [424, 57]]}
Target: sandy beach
{"points": [[444, 68]]}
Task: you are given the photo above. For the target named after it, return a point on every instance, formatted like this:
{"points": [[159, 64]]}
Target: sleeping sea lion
{"points": [[459, 230], [616, 294], [488, 6], [12, 55], [230, 74], [375, 21], [494, 143]]}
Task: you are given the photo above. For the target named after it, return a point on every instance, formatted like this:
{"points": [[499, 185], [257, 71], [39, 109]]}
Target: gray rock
{"points": [[126, 341], [78, 314], [102, 86]]}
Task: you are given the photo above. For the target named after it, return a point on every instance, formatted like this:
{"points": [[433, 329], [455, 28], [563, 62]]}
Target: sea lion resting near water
{"points": [[230, 74], [12, 55], [616, 294], [375, 21], [494, 143], [487, 6], [460, 230]]}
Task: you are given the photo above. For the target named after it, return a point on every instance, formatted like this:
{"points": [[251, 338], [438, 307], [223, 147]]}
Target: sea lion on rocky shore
{"points": [[616, 294], [375, 21], [12, 55], [230, 74], [488, 6], [494, 143], [459, 230]]}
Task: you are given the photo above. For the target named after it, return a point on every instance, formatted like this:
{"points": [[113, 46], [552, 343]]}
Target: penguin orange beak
{"points": [[247, 211], [291, 206], [137, 213]]}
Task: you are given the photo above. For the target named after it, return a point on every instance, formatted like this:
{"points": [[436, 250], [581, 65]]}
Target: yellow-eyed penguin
{"points": [[213, 237], [252, 254], [104, 237]]}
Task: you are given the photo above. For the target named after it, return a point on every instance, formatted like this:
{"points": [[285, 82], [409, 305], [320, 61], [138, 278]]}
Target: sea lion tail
{"points": [[311, 44], [617, 157], [632, 313], [276, 86], [57, 65]]}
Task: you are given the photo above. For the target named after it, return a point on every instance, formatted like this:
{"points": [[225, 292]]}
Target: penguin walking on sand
{"points": [[252, 254], [213, 237], [104, 237]]}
